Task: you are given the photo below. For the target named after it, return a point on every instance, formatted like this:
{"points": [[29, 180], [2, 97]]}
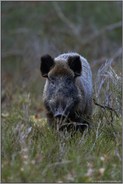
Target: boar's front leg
{"points": [[80, 122], [50, 120]]}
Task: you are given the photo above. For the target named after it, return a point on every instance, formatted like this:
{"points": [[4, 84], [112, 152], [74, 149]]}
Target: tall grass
{"points": [[32, 152]]}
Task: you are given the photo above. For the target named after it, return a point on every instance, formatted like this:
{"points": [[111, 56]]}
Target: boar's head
{"points": [[61, 94]]}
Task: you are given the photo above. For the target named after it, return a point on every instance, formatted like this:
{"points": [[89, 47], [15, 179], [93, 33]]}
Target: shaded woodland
{"points": [[31, 152]]}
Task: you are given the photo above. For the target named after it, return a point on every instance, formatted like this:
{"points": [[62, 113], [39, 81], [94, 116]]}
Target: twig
{"points": [[76, 31], [110, 27], [116, 54], [65, 19], [105, 107], [113, 58]]}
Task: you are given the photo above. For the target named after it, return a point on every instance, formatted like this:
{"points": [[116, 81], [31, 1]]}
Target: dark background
{"points": [[31, 29]]}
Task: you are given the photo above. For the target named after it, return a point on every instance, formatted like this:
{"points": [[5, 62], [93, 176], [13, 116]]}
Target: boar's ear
{"points": [[46, 64], [75, 65]]}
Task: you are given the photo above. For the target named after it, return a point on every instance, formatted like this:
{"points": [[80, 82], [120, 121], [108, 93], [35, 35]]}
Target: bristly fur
{"points": [[68, 89]]}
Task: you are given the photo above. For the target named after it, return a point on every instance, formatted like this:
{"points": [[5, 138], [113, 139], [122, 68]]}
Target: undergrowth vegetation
{"points": [[31, 151]]}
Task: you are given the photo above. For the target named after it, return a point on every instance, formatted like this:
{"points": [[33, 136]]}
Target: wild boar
{"points": [[67, 94]]}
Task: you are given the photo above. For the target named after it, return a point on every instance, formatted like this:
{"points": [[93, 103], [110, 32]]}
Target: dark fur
{"points": [[68, 90]]}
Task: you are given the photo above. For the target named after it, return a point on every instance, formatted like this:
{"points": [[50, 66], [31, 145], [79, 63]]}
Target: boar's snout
{"points": [[58, 115], [61, 106], [62, 110]]}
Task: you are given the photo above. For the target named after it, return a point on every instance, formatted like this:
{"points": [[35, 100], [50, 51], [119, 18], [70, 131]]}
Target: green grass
{"points": [[31, 152]]}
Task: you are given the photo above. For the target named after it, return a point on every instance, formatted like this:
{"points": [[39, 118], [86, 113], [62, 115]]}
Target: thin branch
{"points": [[65, 19], [110, 27], [76, 31], [117, 54], [105, 107]]}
